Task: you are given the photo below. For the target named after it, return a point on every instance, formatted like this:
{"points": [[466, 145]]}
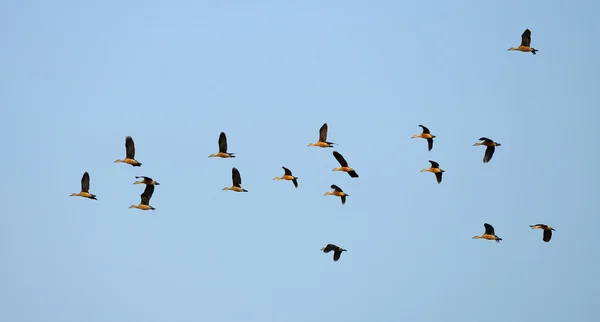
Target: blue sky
{"points": [[77, 77]]}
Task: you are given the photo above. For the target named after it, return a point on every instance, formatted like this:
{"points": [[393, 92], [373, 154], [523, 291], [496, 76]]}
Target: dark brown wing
{"points": [[489, 153], [236, 177], [547, 235], [323, 133], [434, 164], [343, 199], [430, 144], [539, 225], [438, 177], [526, 38], [222, 143], [129, 148], [287, 171], [85, 182], [340, 159], [489, 229], [336, 255], [425, 130], [336, 188], [486, 140], [147, 194], [329, 248], [353, 174], [147, 178], [295, 183]]}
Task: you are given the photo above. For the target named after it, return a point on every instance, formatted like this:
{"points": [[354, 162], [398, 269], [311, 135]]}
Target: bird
{"points": [[344, 165], [425, 135], [287, 175], [337, 251], [85, 188], [489, 151], [222, 148], [337, 191], [145, 196], [147, 180], [130, 153], [525, 43], [322, 143], [547, 231], [237, 181], [435, 168], [489, 234]]}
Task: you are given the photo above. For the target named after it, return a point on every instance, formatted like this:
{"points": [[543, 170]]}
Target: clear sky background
{"points": [[76, 77]]}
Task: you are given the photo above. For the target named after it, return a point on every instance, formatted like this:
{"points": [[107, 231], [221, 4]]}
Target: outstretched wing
{"points": [[295, 183], [340, 159], [287, 171], [336, 255], [343, 199], [222, 143], [336, 188], [438, 177], [485, 139], [353, 174], [85, 182], [236, 177], [434, 164], [147, 194], [489, 153], [323, 133], [329, 248], [547, 235], [147, 178], [430, 144], [129, 148], [425, 130], [489, 230], [526, 38]]}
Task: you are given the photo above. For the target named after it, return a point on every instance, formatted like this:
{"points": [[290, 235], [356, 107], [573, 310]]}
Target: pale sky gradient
{"points": [[76, 77]]}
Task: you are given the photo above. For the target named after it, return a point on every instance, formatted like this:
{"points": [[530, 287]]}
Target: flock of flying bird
{"points": [[490, 145]]}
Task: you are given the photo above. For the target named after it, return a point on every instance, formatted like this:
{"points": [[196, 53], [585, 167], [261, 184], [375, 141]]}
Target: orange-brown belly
{"points": [[524, 48]]}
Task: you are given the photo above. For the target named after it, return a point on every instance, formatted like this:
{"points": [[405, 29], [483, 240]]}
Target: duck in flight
{"points": [[425, 135], [237, 181], [337, 251], [344, 165], [489, 151], [547, 231], [489, 234], [85, 188], [146, 180], [287, 175], [337, 191], [129, 153], [222, 148], [435, 168], [322, 143], [145, 199], [525, 43]]}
